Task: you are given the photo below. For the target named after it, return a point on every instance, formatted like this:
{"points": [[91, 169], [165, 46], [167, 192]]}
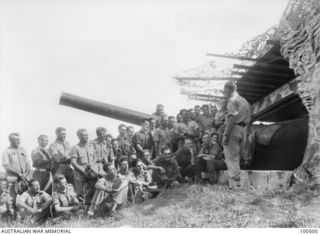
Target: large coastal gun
{"points": [[104, 109], [279, 146]]}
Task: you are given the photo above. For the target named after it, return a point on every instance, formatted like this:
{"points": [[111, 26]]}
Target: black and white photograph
{"points": [[159, 114]]}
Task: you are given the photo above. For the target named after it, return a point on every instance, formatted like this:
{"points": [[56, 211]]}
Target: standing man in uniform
{"points": [[124, 141], [162, 137], [234, 139], [197, 111], [160, 111], [186, 129], [103, 153], [42, 162], [205, 120], [142, 140], [17, 165], [60, 152], [83, 158]]}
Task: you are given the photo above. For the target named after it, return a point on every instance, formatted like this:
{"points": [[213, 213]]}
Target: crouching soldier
{"points": [[6, 208], [210, 159], [65, 201], [34, 205], [141, 190], [112, 188], [172, 175]]}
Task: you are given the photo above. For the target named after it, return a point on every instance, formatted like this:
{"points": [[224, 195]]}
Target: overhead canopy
{"points": [[270, 86]]}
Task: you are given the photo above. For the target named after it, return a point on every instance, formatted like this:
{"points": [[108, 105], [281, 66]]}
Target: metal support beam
{"points": [[262, 74], [263, 67], [255, 84], [287, 90]]}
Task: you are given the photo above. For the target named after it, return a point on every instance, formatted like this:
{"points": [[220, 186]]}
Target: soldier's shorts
{"points": [[235, 148]]}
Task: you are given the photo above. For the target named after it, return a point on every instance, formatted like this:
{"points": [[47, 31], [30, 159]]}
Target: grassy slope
{"points": [[215, 206]]}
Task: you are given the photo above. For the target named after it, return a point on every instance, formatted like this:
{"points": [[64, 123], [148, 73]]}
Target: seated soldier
{"points": [[143, 178], [186, 158], [6, 208], [149, 165], [33, 205], [111, 188], [172, 175], [65, 201], [210, 158]]}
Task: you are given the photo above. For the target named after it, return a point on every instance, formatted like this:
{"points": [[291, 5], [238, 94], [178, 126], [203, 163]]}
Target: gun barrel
{"points": [[104, 109]]}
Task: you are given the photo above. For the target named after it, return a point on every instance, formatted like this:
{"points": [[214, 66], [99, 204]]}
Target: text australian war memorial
{"points": [[257, 126]]}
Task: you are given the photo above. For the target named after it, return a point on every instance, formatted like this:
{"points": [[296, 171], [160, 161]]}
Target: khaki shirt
{"points": [[40, 154], [103, 153], [239, 108], [60, 151], [162, 136], [126, 145], [190, 128], [85, 155], [144, 139], [17, 160], [205, 122], [34, 201], [65, 198]]}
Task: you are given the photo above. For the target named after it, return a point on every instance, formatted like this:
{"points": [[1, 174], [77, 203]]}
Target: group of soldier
{"points": [[104, 174]]}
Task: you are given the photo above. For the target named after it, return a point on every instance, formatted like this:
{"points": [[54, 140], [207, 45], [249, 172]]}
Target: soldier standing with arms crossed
{"points": [[238, 114]]}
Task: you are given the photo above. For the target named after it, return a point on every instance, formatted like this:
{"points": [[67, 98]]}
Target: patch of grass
{"points": [[193, 205]]}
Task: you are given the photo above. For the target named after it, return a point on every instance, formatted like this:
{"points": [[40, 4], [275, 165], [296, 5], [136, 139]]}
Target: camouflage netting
{"points": [[299, 32], [257, 46]]}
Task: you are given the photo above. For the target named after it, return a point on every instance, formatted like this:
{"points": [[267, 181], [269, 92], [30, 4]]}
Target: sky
{"points": [[122, 52]]}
